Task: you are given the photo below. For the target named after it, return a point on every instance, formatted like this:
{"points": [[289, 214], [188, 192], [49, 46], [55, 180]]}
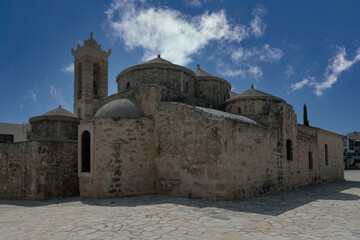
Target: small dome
{"points": [[120, 108], [254, 94], [205, 76], [59, 112]]}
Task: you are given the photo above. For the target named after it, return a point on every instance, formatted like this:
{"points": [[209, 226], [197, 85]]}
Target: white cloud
{"points": [[252, 72], [174, 35], [194, 3], [289, 71], [310, 81], [56, 94], [337, 65], [31, 95], [257, 26], [263, 54], [68, 69]]}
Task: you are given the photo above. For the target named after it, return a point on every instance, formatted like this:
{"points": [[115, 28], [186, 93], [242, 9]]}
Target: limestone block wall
{"points": [[54, 129], [38, 170], [212, 90], [200, 155], [124, 158]]}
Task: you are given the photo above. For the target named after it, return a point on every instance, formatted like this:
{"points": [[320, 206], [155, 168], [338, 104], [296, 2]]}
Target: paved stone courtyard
{"points": [[329, 211]]}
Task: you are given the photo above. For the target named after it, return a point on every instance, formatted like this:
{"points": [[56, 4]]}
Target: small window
{"points": [[186, 87], [96, 79], [326, 155], [85, 152], [239, 110], [6, 138], [310, 161], [289, 152], [127, 85]]}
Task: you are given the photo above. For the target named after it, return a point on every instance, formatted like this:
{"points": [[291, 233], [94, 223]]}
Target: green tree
{"points": [[306, 121]]}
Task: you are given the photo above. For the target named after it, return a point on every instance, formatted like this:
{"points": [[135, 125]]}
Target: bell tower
{"points": [[90, 77]]}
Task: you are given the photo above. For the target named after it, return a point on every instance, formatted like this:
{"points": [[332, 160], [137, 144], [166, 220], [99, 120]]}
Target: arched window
{"points": [[96, 79], [239, 110], [186, 87], [326, 155], [310, 161], [85, 152], [289, 152], [127, 85], [79, 81]]}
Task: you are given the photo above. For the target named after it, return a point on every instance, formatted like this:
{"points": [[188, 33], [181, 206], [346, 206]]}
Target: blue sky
{"points": [[301, 51]]}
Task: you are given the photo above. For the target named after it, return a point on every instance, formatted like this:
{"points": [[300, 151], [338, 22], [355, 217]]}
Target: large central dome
{"points": [[158, 71]]}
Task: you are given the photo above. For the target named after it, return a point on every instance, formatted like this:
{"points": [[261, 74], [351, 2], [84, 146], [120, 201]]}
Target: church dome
{"points": [[158, 71], [59, 112], [120, 108], [253, 94]]}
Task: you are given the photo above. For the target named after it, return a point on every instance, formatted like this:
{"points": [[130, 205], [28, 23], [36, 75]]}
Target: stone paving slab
{"points": [[327, 211]]}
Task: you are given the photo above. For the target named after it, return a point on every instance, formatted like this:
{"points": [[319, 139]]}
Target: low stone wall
{"points": [[38, 170]]}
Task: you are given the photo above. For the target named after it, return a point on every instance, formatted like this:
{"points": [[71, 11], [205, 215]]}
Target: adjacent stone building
{"points": [[168, 130]]}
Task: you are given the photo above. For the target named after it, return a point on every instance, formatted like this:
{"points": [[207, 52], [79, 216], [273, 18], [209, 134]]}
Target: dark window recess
{"points": [[326, 155], [79, 77], [6, 138], [85, 152], [310, 161], [96, 79], [186, 87], [289, 152], [239, 110], [127, 85]]}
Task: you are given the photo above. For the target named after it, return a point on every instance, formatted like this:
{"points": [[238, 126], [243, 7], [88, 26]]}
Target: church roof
{"points": [[120, 108], [254, 94], [202, 75], [157, 62], [58, 113]]}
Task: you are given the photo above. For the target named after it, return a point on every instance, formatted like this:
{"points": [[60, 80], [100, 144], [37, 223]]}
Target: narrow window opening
{"points": [[127, 85], [239, 110], [96, 79], [79, 80], [186, 87], [85, 152], [310, 161], [289, 152], [326, 155]]}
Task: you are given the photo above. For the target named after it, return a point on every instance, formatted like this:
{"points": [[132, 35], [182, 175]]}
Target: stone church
{"points": [[168, 130]]}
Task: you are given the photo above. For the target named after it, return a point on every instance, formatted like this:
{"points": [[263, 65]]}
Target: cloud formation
{"points": [[68, 69], [174, 35], [31, 95], [289, 71], [252, 72], [257, 26], [337, 65], [263, 54], [56, 94]]}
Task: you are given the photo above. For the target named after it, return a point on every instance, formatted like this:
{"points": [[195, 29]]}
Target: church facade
{"points": [[168, 130]]}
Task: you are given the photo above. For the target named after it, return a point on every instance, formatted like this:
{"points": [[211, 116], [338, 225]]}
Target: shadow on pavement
{"points": [[269, 204]]}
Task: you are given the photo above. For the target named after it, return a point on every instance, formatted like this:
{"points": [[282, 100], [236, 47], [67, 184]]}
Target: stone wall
{"points": [[212, 90], [38, 170], [124, 158], [54, 129]]}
